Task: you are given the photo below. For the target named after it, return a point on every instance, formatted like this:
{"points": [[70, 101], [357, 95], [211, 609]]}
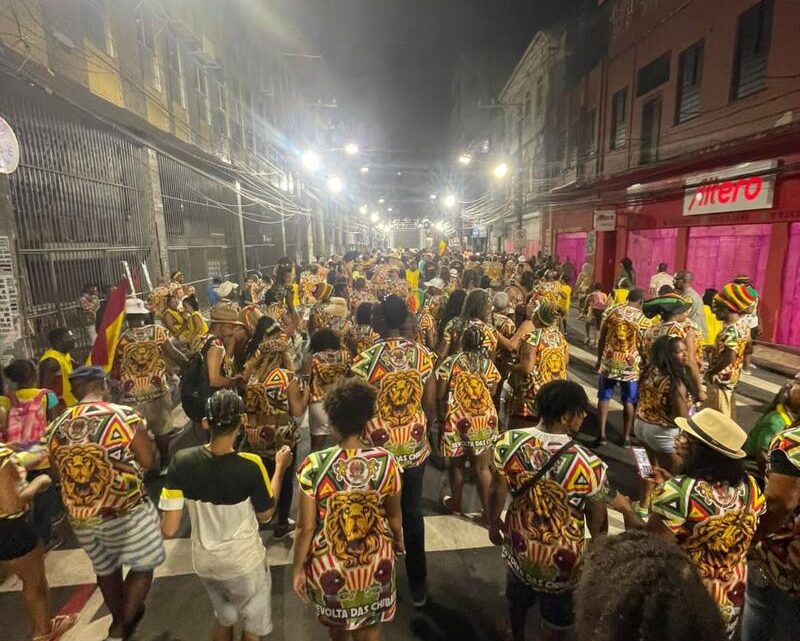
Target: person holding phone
{"points": [[667, 391]]}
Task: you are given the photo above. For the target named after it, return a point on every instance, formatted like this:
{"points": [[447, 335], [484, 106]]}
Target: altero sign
{"points": [[744, 187]]}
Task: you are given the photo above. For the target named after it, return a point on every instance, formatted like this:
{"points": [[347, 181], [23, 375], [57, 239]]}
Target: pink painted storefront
{"points": [[720, 245]]}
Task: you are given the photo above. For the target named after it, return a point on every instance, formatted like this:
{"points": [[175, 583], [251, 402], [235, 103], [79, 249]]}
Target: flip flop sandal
{"points": [[59, 625]]}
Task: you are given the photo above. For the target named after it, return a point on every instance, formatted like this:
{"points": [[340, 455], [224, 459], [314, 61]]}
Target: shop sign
{"points": [[744, 187], [605, 220]]}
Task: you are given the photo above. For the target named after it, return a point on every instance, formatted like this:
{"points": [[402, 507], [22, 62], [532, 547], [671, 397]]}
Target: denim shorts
{"points": [[556, 607], [629, 390]]}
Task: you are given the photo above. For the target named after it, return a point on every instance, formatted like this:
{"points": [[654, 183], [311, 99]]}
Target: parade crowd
{"points": [[380, 362]]}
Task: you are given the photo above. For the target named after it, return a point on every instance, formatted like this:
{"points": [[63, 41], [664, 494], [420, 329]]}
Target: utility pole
{"points": [[517, 186]]}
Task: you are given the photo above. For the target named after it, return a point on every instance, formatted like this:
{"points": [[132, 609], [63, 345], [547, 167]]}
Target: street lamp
{"points": [[439, 225], [351, 149], [365, 170], [389, 209], [450, 201], [464, 159], [375, 217], [501, 170], [381, 201], [362, 210], [335, 184], [433, 196], [311, 160]]}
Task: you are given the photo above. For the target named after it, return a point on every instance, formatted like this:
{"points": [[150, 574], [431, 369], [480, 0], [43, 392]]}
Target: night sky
{"points": [[389, 62]]}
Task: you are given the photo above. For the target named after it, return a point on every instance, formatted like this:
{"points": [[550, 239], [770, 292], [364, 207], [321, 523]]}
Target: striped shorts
{"points": [[133, 539]]}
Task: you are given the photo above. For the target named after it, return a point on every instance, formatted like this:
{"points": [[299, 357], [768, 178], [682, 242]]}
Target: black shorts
{"points": [[597, 317], [17, 538], [556, 608]]}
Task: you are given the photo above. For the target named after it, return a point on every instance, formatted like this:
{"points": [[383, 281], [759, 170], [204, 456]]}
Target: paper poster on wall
{"points": [[9, 297]]}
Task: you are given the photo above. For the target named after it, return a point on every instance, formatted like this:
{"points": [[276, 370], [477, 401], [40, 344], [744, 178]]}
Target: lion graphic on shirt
{"points": [[399, 397], [471, 393], [86, 476], [718, 544], [140, 359], [352, 527]]}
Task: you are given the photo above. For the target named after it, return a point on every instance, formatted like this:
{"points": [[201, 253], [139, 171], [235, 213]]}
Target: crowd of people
{"points": [[380, 361]]}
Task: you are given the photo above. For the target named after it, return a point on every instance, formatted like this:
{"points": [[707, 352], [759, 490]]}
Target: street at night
{"points": [[436, 320]]}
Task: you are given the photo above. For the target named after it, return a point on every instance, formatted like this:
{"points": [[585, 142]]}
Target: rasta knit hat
{"points": [[737, 297], [666, 305]]}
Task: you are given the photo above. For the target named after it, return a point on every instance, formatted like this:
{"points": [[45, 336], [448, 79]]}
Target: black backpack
{"points": [[195, 388]]}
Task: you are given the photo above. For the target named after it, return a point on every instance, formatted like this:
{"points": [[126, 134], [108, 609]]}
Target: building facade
{"points": [[686, 150], [153, 137]]}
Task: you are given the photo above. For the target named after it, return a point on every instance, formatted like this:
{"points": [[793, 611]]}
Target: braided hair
{"points": [[224, 411], [661, 358]]}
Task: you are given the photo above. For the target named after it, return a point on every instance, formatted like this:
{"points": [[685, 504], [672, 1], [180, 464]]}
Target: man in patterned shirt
{"points": [[558, 490], [772, 599], [727, 356], [140, 367], [99, 452], [618, 360]]}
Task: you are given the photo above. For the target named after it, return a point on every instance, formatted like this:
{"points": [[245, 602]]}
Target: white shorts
{"points": [[245, 598], [318, 424]]}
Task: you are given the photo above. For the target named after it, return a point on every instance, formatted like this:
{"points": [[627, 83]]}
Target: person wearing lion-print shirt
{"points": [[401, 371], [543, 533]]}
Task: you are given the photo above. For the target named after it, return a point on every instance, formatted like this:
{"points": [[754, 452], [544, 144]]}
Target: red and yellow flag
{"points": [[102, 354]]}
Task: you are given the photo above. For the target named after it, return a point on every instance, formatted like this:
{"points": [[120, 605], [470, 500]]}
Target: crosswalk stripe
{"points": [[443, 533]]}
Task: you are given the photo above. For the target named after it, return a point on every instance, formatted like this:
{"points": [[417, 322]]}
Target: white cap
{"points": [[522, 259], [436, 282]]}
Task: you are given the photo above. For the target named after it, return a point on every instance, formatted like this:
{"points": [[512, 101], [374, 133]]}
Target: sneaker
{"points": [[281, 531], [598, 442], [419, 596]]}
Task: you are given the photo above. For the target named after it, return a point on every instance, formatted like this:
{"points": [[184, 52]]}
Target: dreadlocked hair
{"points": [[224, 411], [637, 587], [471, 339], [661, 358]]}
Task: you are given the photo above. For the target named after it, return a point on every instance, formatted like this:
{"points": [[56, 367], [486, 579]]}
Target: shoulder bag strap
{"points": [[549, 465]]}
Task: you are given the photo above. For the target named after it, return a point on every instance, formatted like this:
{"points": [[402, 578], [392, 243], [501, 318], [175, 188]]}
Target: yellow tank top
{"points": [[179, 320], [65, 365]]}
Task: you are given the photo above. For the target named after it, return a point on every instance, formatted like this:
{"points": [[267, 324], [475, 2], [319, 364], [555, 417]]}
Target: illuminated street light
{"points": [[375, 217], [335, 184], [362, 210], [464, 159], [450, 201], [399, 173], [381, 201], [501, 171], [311, 161], [389, 209], [439, 225], [351, 149], [433, 196], [365, 170]]}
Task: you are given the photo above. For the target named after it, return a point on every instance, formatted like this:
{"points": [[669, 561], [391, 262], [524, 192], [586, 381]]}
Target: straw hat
{"points": [[227, 288], [226, 312], [336, 307], [716, 430]]}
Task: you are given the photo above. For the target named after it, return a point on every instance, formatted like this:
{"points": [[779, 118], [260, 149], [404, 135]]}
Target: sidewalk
{"points": [[776, 360]]}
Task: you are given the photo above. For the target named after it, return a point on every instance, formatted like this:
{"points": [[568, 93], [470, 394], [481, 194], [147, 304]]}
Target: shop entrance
{"points": [[716, 255], [649, 247]]}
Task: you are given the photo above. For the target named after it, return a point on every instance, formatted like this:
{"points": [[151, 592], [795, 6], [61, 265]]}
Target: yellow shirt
{"points": [[713, 326], [65, 364], [566, 294], [620, 296]]}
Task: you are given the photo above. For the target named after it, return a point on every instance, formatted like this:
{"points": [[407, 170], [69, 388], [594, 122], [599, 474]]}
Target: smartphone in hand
{"points": [[643, 464]]}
